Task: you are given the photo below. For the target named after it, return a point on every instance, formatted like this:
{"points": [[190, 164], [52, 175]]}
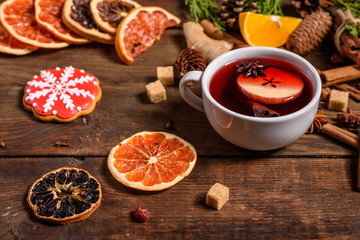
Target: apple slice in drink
{"points": [[278, 86]]}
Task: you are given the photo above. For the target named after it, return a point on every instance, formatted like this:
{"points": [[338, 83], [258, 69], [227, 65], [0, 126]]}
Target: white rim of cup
{"points": [[313, 101]]}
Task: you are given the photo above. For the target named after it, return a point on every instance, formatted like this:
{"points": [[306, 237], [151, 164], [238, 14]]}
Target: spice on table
{"points": [[321, 123], [351, 119], [340, 75], [319, 120], [142, 214], [209, 47], [169, 124], [325, 93], [211, 30], [342, 135]]}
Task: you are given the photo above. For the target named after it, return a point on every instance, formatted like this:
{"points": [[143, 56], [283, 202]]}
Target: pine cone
{"points": [[230, 9], [306, 7], [189, 59], [310, 33]]}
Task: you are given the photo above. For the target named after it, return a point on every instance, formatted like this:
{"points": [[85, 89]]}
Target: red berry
{"points": [[142, 214], [337, 58]]}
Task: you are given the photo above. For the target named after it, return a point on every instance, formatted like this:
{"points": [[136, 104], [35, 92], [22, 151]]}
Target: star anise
{"points": [[351, 119], [251, 68], [319, 121]]}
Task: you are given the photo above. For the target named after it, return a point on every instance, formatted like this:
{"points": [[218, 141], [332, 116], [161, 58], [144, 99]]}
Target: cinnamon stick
{"points": [[342, 135], [358, 172], [262, 111], [340, 75], [213, 32], [353, 92]]}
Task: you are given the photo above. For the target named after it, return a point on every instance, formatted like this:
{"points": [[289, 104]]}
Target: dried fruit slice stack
{"points": [[59, 23], [65, 195]]}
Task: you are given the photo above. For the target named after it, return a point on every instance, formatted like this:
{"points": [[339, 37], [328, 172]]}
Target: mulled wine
{"points": [[273, 74]]}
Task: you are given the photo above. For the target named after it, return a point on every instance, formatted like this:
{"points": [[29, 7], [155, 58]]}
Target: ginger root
{"points": [[210, 48]]}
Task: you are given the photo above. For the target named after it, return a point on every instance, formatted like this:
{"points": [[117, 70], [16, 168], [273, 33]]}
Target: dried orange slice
{"points": [[77, 16], [65, 195], [107, 14], [48, 15], [152, 161], [266, 30], [10, 45], [18, 17], [139, 29]]}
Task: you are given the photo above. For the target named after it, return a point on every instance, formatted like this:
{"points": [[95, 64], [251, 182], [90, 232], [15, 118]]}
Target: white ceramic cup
{"points": [[248, 132]]}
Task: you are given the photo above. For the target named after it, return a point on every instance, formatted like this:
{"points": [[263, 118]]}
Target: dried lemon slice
{"points": [[65, 195]]}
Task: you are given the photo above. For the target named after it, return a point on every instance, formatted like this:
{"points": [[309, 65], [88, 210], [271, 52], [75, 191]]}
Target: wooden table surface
{"points": [[304, 191]]}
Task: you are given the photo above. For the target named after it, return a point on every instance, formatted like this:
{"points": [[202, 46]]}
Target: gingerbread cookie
{"points": [[62, 94]]}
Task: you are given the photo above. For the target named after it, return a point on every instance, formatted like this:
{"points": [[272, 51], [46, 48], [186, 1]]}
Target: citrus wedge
{"points": [[18, 17], [140, 29], [48, 15], [107, 14], [10, 45], [152, 161], [266, 30]]}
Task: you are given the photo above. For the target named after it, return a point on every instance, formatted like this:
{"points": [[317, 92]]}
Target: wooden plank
{"points": [[276, 198], [118, 116], [124, 108]]}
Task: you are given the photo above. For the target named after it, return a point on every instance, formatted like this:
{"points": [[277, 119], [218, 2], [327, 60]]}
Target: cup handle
{"points": [[187, 94]]}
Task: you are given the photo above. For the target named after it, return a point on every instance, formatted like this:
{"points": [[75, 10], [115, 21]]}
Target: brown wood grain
{"points": [[306, 190], [274, 198], [124, 108]]}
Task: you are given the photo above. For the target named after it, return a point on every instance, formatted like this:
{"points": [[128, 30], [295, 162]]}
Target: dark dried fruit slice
{"points": [[77, 16], [65, 195], [107, 14]]}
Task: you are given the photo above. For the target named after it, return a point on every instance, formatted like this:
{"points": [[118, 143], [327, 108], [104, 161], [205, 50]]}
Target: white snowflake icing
{"points": [[59, 89]]}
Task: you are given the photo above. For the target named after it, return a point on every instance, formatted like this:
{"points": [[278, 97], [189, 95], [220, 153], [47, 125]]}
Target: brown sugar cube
{"points": [[165, 75], [156, 92], [338, 100], [217, 196]]}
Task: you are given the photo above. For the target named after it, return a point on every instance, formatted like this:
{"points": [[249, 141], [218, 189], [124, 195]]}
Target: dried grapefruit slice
{"points": [[77, 16], [48, 15], [139, 29], [107, 14], [152, 161], [18, 17], [65, 195], [10, 45]]}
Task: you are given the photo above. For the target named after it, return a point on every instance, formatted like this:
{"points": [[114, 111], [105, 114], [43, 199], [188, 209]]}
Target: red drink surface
{"points": [[223, 88]]}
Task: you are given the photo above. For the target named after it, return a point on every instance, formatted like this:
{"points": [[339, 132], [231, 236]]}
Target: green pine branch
{"points": [[205, 9], [270, 7], [353, 6]]}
